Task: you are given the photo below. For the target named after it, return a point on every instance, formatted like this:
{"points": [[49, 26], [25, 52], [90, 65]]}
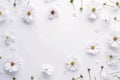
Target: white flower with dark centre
{"points": [[114, 40], [111, 58], [3, 13], [72, 63], [53, 13], [28, 14], [116, 3], [12, 64], [48, 69], [93, 48], [93, 10]]}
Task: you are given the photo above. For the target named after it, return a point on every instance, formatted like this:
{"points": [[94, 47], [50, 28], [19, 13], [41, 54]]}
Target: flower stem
{"points": [[89, 73], [102, 67], [105, 4]]}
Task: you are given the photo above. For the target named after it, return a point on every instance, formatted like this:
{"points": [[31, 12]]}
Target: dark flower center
{"points": [[92, 47], [52, 12], [28, 13], [72, 63], [117, 3], [12, 63], [115, 38], [93, 9]]}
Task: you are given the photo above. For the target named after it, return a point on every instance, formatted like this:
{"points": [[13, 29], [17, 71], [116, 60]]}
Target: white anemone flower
{"points": [[114, 40], [72, 63], [93, 10], [93, 48], [3, 13], [12, 64], [48, 69], [28, 14], [52, 14]]}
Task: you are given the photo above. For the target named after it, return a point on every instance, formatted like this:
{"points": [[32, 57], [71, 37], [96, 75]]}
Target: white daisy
{"points": [[93, 10], [48, 69], [12, 64], [93, 48], [28, 14], [111, 58], [72, 63], [114, 40], [116, 3], [3, 13], [52, 14]]}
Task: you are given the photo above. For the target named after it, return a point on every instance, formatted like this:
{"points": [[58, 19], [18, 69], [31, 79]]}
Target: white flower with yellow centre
{"points": [[28, 14], [93, 10], [48, 69], [72, 63], [12, 64], [93, 48], [52, 14], [111, 58], [114, 40], [3, 13], [116, 3]]}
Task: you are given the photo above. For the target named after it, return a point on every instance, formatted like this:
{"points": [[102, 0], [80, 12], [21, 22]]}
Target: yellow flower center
{"points": [[28, 13], [115, 38], [110, 56], [12, 63], [117, 3], [92, 47], [0, 13], [72, 63], [93, 9]]}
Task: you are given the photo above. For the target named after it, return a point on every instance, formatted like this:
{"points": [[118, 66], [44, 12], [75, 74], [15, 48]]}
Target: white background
{"points": [[50, 41]]}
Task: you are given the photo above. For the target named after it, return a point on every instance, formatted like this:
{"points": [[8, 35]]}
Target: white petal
{"points": [[115, 45], [7, 66], [92, 16]]}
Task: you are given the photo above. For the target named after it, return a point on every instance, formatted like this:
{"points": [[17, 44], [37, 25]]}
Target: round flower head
{"points": [[93, 10], [53, 13], [48, 69], [12, 64], [72, 63], [3, 13], [111, 59], [93, 48], [116, 4], [28, 14], [114, 40]]}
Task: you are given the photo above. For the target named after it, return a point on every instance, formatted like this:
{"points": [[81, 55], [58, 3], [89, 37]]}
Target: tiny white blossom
{"points": [[52, 14], [48, 69]]}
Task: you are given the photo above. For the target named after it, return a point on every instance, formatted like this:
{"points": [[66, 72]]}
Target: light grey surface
{"points": [[49, 41]]}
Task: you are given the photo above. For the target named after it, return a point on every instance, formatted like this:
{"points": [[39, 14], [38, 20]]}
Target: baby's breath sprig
{"points": [[89, 73], [72, 2], [81, 7], [116, 19], [14, 78], [81, 76]]}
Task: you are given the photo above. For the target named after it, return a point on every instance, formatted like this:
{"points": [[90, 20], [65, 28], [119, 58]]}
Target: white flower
{"points": [[105, 76], [72, 63], [93, 48], [93, 10], [114, 40], [52, 14], [3, 13], [28, 14], [111, 58], [9, 40], [48, 69], [12, 64], [116, 3]]}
